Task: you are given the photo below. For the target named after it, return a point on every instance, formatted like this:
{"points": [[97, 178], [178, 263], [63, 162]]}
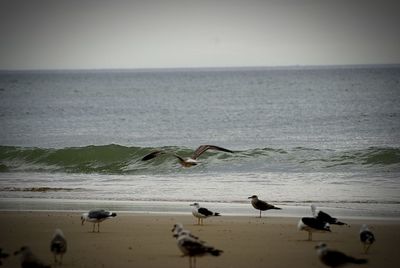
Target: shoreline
{"points": [[375, 211], [145, 240]]}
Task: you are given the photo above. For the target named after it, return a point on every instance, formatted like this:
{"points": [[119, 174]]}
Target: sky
{"points": [[102, 34]]}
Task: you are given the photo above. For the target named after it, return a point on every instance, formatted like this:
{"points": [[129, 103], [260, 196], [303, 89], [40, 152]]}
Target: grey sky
{"points": [[47, 34]]}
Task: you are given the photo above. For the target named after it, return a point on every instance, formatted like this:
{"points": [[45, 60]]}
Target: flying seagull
{"points": [[325, 217], [3, 255], [193, 248], [366, 237], [201, 213], [188, 162], [261, 205], [28, 259], [97, 216], [333, 258], [58, 245], [310, 225]]}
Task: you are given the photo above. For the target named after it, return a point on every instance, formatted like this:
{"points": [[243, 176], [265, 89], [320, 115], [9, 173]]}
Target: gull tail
{"points": [[276, 208], [113, 214], [214, 252], [216, 214], [358, 261]]}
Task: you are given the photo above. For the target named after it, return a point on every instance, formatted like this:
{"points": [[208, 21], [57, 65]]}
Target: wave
{"points": [[117, 159], [39, 189]]}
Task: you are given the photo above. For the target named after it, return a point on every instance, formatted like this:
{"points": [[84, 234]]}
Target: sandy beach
{"points": [[145, 240]]}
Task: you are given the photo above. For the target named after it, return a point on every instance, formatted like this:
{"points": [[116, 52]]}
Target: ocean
{"points": [[329, 135]]}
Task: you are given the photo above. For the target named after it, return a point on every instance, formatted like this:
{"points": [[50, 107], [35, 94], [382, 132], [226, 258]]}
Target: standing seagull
{"points": [[261, 205], [366, 237], [201, 213], [28, 260], [191, 161], [193, 248], [97, 216], [325, 217], [333, 258], [311, 225], [58, 245]]}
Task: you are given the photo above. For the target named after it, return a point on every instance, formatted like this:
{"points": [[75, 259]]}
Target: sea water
{"points": [[300, 135]]}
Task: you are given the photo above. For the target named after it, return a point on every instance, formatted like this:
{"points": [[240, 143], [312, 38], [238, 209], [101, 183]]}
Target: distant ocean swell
{"points": [[116, 159]]}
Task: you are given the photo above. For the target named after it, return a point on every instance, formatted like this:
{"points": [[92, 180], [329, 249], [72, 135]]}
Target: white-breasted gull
{"points": [[58, 245], [311, 225], [190, 161], [367, 238], [334, 258], [260, 204], [201, 213], [97, 216]]}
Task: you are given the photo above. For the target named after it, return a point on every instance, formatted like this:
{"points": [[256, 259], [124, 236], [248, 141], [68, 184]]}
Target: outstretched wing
{"points": [[152, 155], [157, 153], [203, 148], [329, 219], [325, 217]]}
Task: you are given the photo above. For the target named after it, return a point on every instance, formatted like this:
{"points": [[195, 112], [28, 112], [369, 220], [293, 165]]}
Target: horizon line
{"points": [[296, 66]]}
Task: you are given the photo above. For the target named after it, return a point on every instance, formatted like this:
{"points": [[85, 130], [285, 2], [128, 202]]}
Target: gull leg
{"points": [[309, 236], [366, 248], [94, 226], [61, 258], [260, 213], [98, 227]]}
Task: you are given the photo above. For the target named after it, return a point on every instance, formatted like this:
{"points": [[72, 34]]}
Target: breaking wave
{"points": [[117, 159]]}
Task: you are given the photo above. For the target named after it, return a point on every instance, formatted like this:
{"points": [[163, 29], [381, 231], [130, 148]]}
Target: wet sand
{"points": [[145, 240]]}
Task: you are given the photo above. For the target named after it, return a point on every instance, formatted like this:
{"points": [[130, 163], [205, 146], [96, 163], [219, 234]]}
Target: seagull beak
{"points": [[83, 221], [250, 197]]}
